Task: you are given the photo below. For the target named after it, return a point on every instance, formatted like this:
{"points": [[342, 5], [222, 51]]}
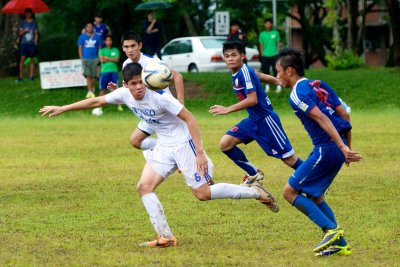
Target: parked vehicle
{"points": [[201, 54]]}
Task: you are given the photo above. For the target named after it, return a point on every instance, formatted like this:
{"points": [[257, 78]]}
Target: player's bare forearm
{"points": [[52, 111], [187, 116], [265, 78], [179, 86], [250, 101]]}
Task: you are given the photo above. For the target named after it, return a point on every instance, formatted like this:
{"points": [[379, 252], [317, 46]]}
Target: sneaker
{"points": [[90, 94], [335, 250], [266, 197], [266, 88], [161, 242], [278, 89], [19, 79], [330, 237], [248, 180], [31, 78]]}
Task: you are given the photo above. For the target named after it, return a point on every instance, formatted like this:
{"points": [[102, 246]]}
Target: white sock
{"points": [[148, 143], [224, 190], [156, 213]]}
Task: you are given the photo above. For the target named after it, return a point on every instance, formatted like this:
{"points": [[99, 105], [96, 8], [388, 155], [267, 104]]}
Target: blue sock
{"points": [[297, 163], [240, 159], [324, 207], [309, 208]]}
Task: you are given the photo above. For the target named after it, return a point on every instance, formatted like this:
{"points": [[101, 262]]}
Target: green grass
{"points": [[67, 194]]}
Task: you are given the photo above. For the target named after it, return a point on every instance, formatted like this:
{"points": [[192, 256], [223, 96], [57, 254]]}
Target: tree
{"points": [[394, 11], [9, 41]]}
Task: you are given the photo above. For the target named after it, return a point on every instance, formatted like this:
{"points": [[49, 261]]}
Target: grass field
{"points": [[67, 194]]}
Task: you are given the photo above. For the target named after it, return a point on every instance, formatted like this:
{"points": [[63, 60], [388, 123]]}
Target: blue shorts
{"points": [[28, 50], [316, 173], [107, 77], [267, 132]]}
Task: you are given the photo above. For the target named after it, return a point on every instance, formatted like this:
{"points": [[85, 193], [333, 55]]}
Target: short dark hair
{"points": [[290, 57], [233, 45], [108, 36], [28, 10], [267, 20], [98, 15], [131, 70], [235, 22], [131, 35]]}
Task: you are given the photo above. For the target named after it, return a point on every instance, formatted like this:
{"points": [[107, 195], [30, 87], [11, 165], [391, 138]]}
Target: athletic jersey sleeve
{"points": [[300, 101], [246, 80], [116, 96], [81, 40], [170, 104], [101, 52], [333, 99]]}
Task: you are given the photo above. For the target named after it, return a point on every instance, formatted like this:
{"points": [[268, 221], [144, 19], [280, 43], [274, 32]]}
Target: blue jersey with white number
{"points": [[246, 81], [306, 95]]}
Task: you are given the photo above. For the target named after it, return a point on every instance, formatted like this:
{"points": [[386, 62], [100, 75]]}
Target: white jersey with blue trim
{"points": [[143, 61], [158, 110]]}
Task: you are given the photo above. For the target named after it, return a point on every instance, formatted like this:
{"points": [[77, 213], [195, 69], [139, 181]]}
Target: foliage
{"points": [[344, 61]]}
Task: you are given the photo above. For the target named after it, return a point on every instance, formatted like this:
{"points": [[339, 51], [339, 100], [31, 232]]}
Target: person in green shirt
{"points": [[269, 41], [109, 57]]}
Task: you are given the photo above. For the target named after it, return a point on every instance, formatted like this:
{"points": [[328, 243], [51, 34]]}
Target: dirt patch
{"points": [[192, 90]]}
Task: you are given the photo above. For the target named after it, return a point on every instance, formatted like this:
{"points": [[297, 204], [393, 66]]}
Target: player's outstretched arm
{"points": [[187, 116], [179, 86], [346, 116], [326, 124], [52, 111], [265, 78], [251, 100]]}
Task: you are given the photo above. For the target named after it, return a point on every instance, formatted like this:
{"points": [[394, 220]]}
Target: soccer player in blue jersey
{"points": [[328, 125], [262, 125]]}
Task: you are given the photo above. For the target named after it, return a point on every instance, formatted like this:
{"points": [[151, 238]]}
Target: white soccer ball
{"points": [[97, 112], [157, 75]]}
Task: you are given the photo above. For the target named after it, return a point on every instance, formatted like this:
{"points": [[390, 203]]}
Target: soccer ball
{"points": [[157, 75], [97, 112]]}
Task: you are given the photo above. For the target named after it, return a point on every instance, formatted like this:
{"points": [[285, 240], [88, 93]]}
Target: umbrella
{"points": [[153, 5], [19, 6]]}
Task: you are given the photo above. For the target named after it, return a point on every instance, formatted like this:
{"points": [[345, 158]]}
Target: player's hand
{"points": [[51, 111], [202, 163], [351, 156], [112, 86], [218, 110]]}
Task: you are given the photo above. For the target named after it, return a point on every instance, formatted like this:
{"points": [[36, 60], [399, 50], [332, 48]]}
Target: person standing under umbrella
{"points": [[152, 35], [29, 34]]}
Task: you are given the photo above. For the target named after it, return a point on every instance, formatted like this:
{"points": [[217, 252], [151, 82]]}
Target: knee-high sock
{"points": [[309, 208], [156, 213], [148, 143], [237, 155], [224, 190], [326, 209]]}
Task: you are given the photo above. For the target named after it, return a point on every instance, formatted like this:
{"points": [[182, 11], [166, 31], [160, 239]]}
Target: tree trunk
{"points": [[8, 42], [394, 11]]}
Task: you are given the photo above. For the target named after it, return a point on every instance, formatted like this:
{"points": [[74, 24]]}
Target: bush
{"points": [[347, 60]]}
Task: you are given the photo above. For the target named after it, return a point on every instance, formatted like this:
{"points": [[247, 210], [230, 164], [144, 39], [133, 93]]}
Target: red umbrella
{"points": [[19, 6]]}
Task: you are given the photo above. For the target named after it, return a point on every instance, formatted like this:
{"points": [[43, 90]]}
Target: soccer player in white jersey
{"points": [[132, 44], [179, 146]]}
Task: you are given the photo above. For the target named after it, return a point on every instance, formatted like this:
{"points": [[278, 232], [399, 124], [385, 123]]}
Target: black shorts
{"points": [[28, 50]]}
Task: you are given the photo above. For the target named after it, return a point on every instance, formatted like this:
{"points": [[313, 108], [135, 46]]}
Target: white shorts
{"points": [[145, 127], [165, 160]]}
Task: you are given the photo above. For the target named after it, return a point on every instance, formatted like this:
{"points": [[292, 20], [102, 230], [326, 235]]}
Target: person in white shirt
{"points": [[132, 44], [179, 146]]}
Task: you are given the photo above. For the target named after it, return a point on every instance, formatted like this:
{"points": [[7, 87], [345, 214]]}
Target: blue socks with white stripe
{"points": [[237, 155]]}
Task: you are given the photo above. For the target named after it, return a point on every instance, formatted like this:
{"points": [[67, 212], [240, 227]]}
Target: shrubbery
{"points": [[347, 60]]}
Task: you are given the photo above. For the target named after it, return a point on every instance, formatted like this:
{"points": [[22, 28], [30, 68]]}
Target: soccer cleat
{"points": [[161, 242], [248, 180], [335, 250], [266, 197], [330, 237], [19, 79], [90, 94]]}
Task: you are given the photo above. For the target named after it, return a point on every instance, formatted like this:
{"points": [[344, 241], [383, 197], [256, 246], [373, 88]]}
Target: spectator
{"points": [[152, 35], [101, 29], [236, 34], [269, 40], [88, 48], [109, 57], [28, 31]]}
